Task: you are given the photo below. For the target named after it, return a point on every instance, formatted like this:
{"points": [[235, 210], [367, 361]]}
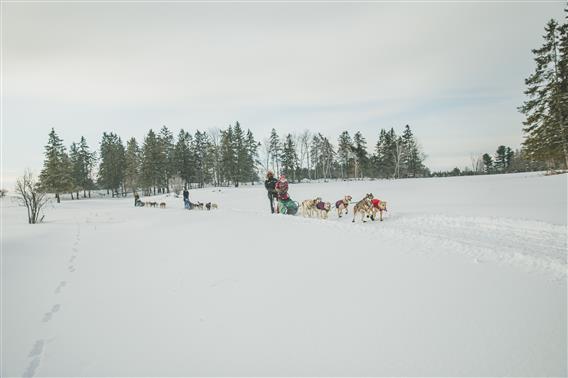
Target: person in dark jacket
{"points": [[270, 185], [186, 203]]}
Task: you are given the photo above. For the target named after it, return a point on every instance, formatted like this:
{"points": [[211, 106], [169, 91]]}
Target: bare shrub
{"points": [[31, 196]]}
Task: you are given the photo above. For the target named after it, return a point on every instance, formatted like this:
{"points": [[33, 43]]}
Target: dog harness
{"points": [[376, 202], [339, 203], [320, 205]]}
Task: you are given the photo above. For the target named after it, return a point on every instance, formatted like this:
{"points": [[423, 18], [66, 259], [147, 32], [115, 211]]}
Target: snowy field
{"points": [[465, 276]]}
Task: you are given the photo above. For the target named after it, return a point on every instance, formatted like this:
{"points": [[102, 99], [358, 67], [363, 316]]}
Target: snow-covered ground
{"points": [[465, 276]]}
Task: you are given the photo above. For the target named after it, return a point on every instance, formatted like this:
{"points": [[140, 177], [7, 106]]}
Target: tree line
{"points": [[504, 160], [313, 156], [219, 157]]}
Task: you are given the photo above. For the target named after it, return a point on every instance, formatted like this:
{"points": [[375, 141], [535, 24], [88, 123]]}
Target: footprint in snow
{"points": [[60, 286], [71, 269], [35, 354], [48, 315]]}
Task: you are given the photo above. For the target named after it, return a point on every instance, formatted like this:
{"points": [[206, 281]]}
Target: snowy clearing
{"points": [[465, 276]]}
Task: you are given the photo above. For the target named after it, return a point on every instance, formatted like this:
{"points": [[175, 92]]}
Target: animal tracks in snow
{"points": [[35, 355], [38, 347], [60, 287], [48, 315]]}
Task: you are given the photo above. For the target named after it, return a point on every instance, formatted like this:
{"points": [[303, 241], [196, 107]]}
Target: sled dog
{"points": [[214, 206], [162, 205], [364, 207], [343, 205], [308, 207], [378, 207], [322, 209]]}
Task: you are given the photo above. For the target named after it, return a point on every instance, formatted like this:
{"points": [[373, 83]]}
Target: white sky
{"points": [[453, 71]]}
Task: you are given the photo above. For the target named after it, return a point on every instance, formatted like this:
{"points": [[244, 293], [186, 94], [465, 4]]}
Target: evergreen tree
{"points": [[88, 160], [111, 168], [166, 160], [500, 162], [132, 165], [151, 156], [326, 156], [411, 154], [487, 163], [241, 155], [546, 134], [275, 151], [344, 153], [76, 168], [252, 157], [289, 158], [200, 147], [509, 155], [184, 161], [55, 176], [315, 155], [361, 155]]}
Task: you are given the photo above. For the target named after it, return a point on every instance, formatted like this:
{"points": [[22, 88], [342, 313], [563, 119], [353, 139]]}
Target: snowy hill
{"points": [[465, 276]]}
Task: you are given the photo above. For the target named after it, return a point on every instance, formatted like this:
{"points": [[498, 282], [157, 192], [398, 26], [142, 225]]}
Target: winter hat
{"points": [[269, 174]]}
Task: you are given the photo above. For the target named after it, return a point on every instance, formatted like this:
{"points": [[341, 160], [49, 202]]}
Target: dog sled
{"points": [[288, 206]]}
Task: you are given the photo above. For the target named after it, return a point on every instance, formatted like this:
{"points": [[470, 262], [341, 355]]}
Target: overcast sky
{"points": [[453, 71]]}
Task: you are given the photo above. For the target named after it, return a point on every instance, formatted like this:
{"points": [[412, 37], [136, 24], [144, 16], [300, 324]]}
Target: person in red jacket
{"points": [[281, 188]]}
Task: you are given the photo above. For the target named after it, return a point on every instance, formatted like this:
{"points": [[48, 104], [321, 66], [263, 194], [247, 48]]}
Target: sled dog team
{"points": [[187, 203], [368, 207]]}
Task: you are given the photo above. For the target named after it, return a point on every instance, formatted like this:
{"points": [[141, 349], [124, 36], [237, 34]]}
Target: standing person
{"points": [[270, 185], [186, 203], [136, 199]]}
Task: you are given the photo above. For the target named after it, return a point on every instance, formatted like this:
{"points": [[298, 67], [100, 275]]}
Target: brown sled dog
{"points": [[364, 207], [343, 205], [378, 207]]}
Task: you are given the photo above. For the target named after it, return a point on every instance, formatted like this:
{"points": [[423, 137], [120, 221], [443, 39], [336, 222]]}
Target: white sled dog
{"points": [[364, 207], [308, 207]]}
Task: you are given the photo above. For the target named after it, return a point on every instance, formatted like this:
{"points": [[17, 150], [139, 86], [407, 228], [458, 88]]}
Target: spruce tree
{"points": [[183, 157], [275, 151], [151, 156], [546, 134], [88, 160], [241, 155], [132, 165], [111, 168], [166, 161], [344, 153], [76, 168], [200, 147], [361, 155], [315, 154], [487, 163], [500, 162], [289, 158], [252, 157], [55, 176]]}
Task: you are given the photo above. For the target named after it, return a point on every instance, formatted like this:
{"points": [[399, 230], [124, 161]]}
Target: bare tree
{"points": [[476, 163], [31, 196], [397, 154]]}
